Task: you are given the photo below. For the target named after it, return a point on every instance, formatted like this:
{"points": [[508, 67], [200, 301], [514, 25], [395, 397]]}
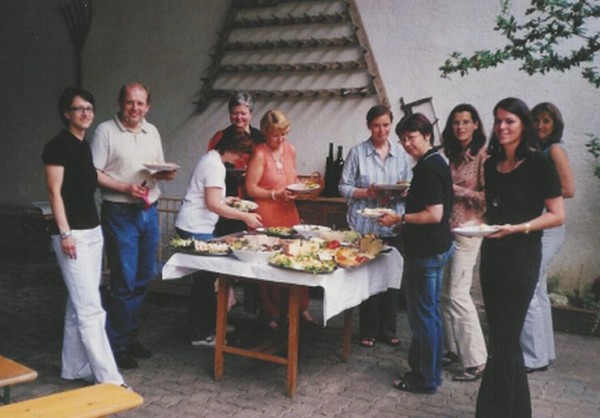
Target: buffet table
{"points": [[342, 290]]}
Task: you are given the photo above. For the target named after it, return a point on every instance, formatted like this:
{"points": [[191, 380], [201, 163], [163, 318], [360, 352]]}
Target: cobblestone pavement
{"points": [[177, 381]]}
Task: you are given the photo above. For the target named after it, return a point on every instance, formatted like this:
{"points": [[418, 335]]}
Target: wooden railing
{"points": [[168, 207]]}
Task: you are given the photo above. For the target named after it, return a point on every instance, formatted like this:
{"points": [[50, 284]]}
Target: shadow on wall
{"points": [[314, 124]]}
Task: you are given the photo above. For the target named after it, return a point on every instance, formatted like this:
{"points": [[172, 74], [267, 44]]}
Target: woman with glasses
{"points": [[77, 240], [427, 247]]}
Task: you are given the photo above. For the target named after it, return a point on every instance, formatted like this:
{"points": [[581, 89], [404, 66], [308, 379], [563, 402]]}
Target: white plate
{"points": [[301, 188], [392, 187], [374, 213], [161, 166], [243, 205], [475, 230]]}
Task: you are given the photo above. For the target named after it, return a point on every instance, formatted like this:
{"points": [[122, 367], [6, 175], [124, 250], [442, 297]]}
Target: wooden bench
{"points": [[88, 402], [12, 373]]}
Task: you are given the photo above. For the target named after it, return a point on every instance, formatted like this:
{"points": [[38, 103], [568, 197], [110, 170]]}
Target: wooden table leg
{"points": [[347, 335], [221, 327], [293, 325]]}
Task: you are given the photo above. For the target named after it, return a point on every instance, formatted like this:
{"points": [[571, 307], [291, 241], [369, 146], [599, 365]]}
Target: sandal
{"points": [[470, 374], [408, 386], [307, 318], [367, 342], [393, 341]]}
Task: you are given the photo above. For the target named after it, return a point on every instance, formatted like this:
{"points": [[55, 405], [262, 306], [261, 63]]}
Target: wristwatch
{"points": [[65, 235], [404, 219]]}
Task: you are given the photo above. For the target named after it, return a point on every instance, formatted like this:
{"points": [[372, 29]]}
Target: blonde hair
{"points": [[274, 120]]}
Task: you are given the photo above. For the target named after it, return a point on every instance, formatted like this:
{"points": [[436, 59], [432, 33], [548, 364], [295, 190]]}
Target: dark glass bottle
{"points": [[329, 172], [338, 165]]}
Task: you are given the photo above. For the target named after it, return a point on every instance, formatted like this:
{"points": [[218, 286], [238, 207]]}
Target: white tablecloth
{"points": [[342, 289]]}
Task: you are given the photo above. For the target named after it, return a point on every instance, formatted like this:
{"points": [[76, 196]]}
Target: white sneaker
{"points": [[206, 342]]}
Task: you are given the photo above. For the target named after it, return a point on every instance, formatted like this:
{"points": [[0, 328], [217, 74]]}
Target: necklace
{"points": [[278, 161]]}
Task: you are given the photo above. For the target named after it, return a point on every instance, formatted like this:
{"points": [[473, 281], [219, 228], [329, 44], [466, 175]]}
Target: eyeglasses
{"points": [[82, 109], [409, 138]]}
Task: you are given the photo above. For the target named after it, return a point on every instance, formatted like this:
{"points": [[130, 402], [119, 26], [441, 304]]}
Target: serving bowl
{"points": [[254, 256]]}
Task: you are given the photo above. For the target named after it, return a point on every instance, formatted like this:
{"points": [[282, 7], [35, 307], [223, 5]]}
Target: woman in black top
{"points": [[77, 240], [520, 183], [427, 248]]}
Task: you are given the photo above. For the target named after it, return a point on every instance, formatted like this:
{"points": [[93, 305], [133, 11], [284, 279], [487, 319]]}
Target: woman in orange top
{"points": [[271, 169]]}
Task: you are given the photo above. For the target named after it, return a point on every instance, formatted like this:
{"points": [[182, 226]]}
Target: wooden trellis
{"points": [[259, 16]]}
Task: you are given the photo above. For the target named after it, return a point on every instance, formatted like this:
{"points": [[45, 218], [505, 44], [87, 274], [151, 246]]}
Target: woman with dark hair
{"points": [[77, 240], [537, 338], [241, 106], [427, 247], [463, 144], [204, 202], [520, 183], [375, 160]]}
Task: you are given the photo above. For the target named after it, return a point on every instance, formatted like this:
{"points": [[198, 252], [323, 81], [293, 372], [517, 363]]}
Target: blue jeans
{"points": [[132, 237], [422, 279]]}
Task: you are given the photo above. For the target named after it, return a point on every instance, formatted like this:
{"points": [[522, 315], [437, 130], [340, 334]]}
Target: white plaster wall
{"points": [[166, 45], [412, 39]]}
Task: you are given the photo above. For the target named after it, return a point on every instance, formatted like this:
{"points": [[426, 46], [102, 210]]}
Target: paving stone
{"points": [[178, 382]]}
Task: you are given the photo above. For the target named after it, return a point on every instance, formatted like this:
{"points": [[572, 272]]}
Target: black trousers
{"points": [[509, 271], [378, 313], [202, 313]]}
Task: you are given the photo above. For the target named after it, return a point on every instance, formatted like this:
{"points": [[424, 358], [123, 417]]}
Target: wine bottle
{"points": [[329, 173], [338, 165]]}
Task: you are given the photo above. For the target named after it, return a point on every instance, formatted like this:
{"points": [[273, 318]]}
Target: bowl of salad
{"points": [[255, 249]]}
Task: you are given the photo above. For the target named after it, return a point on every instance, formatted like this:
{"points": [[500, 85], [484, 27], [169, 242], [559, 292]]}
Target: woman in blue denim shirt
{"points": [[375, 160]]}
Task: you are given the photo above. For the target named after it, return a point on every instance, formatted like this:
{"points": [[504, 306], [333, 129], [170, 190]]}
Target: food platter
{"points": [[306, 263], [278, 231], [161, 166], [344, 237], [197, 247], [397, 187], [303, 187], [308, 231], [375, 212], [243, 205], [476, 230]]}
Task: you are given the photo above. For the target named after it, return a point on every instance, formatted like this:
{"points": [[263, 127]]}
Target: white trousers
{"points": [[537, 337], [86, 352], [462, 330]]}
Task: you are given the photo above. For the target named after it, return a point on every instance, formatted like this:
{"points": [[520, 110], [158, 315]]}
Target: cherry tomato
{"points": [[332, 245], [362, 259]]}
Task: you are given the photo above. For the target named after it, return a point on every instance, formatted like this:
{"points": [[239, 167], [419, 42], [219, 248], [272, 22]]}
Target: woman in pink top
{"points": [[271, 169], [464, 145]]}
